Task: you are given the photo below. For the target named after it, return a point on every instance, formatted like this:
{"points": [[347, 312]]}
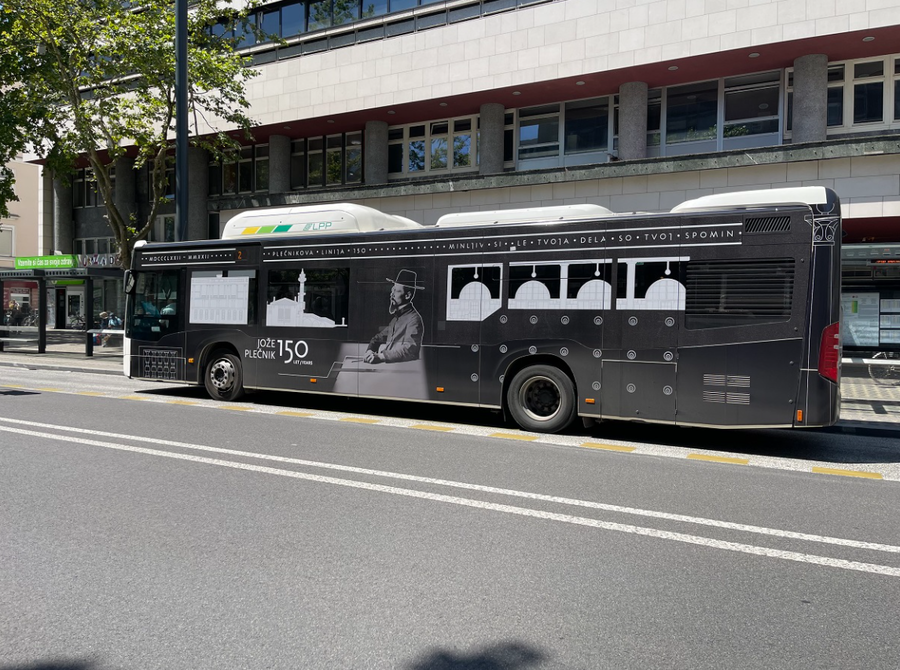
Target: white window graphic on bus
{"points": [[651, 283], [293, 303], [577, 285], [474, 291]]}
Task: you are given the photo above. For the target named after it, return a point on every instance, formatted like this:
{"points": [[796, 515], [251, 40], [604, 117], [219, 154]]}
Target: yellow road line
{"points": [[353, 419], [847, 473], [133, 397], [295, 413], [93, 393], [48, 390], [608, 447], [13, 386], [235, 408], [514, 436], [719, 459], [423, 426], [181, 402]]}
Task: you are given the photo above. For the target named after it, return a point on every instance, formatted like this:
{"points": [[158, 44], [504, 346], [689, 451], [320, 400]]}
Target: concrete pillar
{"points": [[198, 169], [63, 219], [491, 138], [125, 195], [810, 116], [632, 120], [375, 153], [279, 164]]}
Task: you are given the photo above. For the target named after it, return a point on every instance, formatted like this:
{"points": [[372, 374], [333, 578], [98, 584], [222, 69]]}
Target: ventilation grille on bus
{"points": [[738, 292], [768, 224]]}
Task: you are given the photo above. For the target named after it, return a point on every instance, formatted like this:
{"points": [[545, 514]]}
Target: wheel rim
{"points": [[221, 375], [540, 398]]}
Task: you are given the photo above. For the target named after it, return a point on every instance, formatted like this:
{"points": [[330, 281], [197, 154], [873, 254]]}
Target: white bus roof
{"points": [[808, 195], [527, 215], [313, 220]]}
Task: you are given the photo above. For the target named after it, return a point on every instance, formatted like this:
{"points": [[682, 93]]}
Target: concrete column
{"points": [[125, 195], [198, 194], [491, 139], [632, 120], [279, 164], [810, 116], [63, 219], [375, 153]]}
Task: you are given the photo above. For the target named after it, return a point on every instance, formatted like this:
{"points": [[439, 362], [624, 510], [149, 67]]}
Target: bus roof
{"points": [[807, 195], [526, 215], [313, 220]]}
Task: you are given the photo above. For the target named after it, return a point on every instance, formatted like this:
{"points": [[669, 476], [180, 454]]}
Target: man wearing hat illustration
{"points": [[401, 339]]}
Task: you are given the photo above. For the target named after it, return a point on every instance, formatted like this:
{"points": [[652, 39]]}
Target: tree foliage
{"points": [[100, 78]]}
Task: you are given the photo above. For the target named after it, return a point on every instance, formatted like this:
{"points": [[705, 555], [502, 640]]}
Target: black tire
{"points": [[223, 376], [541, 398], [888, 375]]}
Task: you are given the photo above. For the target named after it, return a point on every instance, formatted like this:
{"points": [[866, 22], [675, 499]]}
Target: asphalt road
{"points": [[142, 526]]}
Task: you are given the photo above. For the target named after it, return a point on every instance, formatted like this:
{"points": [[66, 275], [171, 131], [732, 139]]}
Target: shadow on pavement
{"points": [[801, 444], [51, 665], [507, 656]]}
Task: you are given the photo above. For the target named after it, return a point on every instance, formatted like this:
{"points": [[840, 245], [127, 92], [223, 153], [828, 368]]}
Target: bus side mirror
{"points": [[129, 282]]}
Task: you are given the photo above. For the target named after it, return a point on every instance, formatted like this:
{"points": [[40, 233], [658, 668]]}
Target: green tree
{"points": [[101, 76], [19, 117]]}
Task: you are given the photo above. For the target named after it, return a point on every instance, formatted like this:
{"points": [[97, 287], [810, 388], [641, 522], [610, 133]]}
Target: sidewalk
{"points": [[867, 407]]}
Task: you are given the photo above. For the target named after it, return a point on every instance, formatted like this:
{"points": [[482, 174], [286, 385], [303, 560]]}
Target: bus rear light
{"points": [[830, 352]]}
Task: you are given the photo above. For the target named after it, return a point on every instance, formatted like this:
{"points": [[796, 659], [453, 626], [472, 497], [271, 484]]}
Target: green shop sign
{"points": [[45, 262]]}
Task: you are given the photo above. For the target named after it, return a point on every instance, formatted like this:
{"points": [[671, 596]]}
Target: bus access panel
{"points": [[695, 320]]}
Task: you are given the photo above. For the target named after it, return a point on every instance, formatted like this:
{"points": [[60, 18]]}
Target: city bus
{"points": [[723, 312]]}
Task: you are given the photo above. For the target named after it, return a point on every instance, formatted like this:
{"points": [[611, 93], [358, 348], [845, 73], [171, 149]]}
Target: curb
{"points": [[69, 367]]}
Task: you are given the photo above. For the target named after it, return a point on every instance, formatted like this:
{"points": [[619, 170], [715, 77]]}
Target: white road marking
{"points": [[479, 504]]}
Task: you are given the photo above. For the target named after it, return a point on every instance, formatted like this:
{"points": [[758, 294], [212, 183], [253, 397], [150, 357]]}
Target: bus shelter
{"points": [[37, 332]]}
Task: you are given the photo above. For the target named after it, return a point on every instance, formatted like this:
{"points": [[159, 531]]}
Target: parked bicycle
{"points": [[887, 370], [77, 322]]}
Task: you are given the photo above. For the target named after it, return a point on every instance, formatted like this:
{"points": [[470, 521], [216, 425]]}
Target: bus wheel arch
{"points": [[539, 394], [223, 373]]}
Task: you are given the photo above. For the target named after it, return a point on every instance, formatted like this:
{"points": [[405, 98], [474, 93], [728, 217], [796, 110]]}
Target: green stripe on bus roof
{"points": [[286, 228], [266, 229]]}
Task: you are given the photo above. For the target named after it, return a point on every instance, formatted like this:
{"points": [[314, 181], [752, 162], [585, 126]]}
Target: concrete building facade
{"points": [[425, 108]]}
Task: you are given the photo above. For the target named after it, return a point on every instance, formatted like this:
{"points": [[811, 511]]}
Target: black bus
{"points": [[723, 312]]}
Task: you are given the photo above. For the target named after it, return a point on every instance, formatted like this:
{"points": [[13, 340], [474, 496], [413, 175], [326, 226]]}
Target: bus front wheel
{"points": [[224, 379], [541, 398]]}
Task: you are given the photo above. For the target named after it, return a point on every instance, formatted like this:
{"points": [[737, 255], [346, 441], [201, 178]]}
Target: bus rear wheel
{"points": [[224, 378], [541, 398]]}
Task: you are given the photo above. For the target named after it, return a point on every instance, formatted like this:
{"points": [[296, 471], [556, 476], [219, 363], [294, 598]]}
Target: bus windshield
{"points": [[154, 308]]}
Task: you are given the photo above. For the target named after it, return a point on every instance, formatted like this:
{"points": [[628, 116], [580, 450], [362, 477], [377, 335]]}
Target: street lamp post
{"points": [[181, 118]]}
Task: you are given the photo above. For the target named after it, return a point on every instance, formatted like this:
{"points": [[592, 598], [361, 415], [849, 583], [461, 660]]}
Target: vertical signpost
{"points": [[181, 118]]}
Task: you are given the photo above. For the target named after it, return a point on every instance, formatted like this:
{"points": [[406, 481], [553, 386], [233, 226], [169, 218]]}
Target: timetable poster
{"points": [[220, 300], [860, 327]]}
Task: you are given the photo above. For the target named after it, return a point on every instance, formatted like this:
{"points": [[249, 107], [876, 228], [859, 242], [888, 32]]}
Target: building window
{"points": [[212, 226], [298, 164], [7, 238], [96, 251], [868, 92], [84, 188], [587, 126], [433, 147], [692, 112], [573, 133], [862, 95], [334, 160], [247, 172], [539, 132]]}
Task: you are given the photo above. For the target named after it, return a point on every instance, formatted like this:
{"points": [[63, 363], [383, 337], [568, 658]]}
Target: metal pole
{"points": [[181, 118]]}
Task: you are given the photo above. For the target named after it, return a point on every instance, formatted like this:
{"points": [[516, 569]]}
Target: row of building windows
{"points": [[730, 113], [290, 19]]}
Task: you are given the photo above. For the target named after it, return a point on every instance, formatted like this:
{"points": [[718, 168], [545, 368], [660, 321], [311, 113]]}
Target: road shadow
{"points": [[12, 392], [800, 444], [503, 656], [52, 665]]}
